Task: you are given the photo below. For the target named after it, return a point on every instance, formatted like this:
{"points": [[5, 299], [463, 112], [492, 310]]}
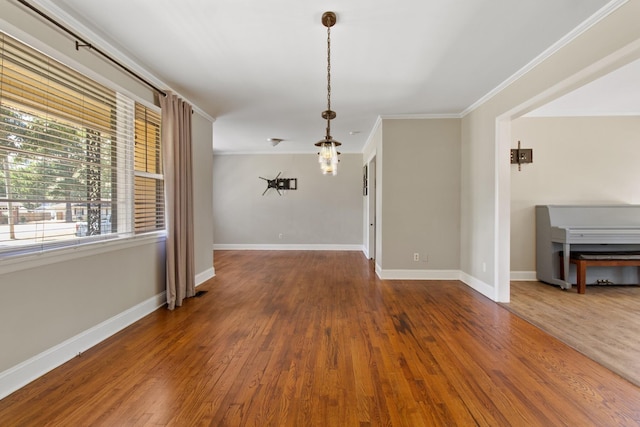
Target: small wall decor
{"points": [[278, 184], [365, 182], [521, 155]]}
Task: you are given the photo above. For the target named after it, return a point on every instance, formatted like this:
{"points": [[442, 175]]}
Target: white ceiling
{"points": [[259, 67], [616, 94]]}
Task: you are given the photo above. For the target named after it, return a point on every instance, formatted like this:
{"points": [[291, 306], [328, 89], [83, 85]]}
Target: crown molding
{"points": [[420, 116], [83, 30], [564, 41], [373, 131]]}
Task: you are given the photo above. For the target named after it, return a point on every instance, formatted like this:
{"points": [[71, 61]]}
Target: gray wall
{"points": [[43, 306], [324, 210], [202, 134], [577, 160], [420, 194], [47, 302]]}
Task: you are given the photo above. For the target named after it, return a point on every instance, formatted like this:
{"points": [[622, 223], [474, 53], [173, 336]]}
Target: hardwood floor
{"points": [[603, 324], [315, 339]]}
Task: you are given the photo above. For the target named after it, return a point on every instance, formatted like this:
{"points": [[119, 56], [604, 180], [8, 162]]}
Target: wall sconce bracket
{"points": [[521, 155]]}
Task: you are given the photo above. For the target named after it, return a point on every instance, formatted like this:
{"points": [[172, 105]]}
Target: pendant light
{"points": [[328, 155]]}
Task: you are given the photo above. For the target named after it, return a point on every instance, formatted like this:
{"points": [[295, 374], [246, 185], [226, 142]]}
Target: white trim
{"points": [[368, 161], [276, 247], [475, 284], [605, 11], [9, 264], [421, 116], [379, 120], [503, 143], [82, 30], [53, 10], [52, 52], [502, 218], [205, 275], [142, 174], [527, 276], [365, 252], [478, 285], [20, 375], [370, 139], [579, 113], [419, 274], [275, 151]]}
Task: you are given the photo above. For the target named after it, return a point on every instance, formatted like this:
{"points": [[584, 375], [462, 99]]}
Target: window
{"points": [[72, 152], [149, 184]]}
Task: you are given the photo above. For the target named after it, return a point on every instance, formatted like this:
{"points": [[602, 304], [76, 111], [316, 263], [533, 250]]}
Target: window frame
{"points": [[149, 122], [25, 257]]}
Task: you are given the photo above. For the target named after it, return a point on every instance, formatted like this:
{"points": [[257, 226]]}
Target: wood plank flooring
{"points": [[603, 324], [315, 339]]}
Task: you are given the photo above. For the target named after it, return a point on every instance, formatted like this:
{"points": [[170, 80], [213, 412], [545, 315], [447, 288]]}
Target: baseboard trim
{"points": [[22, 374], [524, 276], [205, 275], [419, 274], [288, 247], [478, 285]]}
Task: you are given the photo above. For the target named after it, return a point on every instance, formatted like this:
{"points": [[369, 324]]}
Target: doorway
{"points": [[371, 207], [504, 143]]}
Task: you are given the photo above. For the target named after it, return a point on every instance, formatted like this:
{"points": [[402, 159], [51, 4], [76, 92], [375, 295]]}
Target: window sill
{"points": [[12, 263]]}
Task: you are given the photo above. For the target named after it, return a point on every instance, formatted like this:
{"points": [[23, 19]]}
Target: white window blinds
{"points": [[66, 155], [149, 183]]}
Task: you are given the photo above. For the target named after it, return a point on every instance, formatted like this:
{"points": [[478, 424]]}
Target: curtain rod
{"points": [[80, 42]]}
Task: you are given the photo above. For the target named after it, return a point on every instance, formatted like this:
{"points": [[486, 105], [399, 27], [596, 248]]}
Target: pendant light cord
{"points": [[329, 81]]}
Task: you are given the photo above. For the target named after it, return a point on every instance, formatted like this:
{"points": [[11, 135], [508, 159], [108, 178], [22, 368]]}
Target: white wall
{"points": [[325, 211], [577, 160]]}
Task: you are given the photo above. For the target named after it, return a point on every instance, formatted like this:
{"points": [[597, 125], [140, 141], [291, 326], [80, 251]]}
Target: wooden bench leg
{"points": [[581, 268], [581, 276]]}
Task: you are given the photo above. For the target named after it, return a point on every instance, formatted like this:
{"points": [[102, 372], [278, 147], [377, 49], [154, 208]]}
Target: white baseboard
{"points": [[205, 275], [525, 276], [480, 286], [419, 274], [283, 247], [22, 374]]}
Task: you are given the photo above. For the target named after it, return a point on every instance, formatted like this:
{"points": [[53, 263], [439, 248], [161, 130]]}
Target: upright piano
{"points": [[594, 228]]}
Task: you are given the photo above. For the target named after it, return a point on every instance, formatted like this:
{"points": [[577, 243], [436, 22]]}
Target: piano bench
{"points": [[582, 260]]}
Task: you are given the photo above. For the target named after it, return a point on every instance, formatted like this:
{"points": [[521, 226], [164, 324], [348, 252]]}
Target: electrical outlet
{"points": [[280, 236], [416, 256]]}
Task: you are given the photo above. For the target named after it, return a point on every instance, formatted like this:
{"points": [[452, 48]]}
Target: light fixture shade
{"points": [[328, 157]]}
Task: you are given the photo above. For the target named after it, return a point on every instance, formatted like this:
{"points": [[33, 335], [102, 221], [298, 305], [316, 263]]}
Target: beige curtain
{"points": [[178, 181]]}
